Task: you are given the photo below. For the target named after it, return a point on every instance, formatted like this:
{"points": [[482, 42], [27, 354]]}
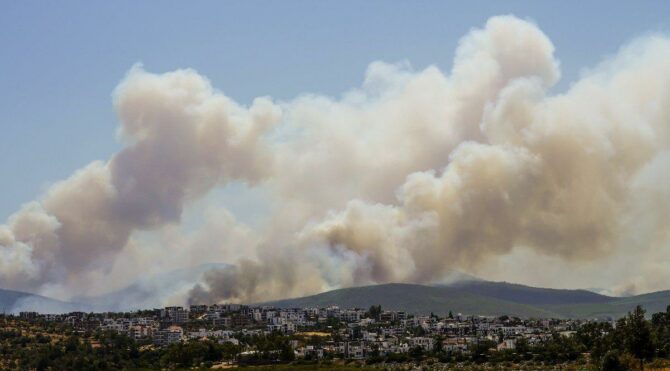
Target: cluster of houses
{"points": [[350, 333]]}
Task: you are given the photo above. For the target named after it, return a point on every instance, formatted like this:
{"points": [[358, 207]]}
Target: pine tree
{"points": [[637, 335]]}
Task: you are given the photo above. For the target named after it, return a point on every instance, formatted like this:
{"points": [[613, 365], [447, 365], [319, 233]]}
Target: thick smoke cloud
{"points": [[407, 178], [435, 173], [182, 138]]}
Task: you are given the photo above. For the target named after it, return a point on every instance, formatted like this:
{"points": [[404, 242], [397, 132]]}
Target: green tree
{"points": [[611, 362], [416, 352], [660, 323], [589, 334], [375, 311], [637, 335], [438, 347]]}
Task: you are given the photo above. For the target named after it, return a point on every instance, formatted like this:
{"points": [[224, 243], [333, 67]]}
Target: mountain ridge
{"points": [[475, 297], [484, 298], [12, 301]]}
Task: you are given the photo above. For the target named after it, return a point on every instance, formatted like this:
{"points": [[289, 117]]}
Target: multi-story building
{"points": [[175, 314], [170, 335]]}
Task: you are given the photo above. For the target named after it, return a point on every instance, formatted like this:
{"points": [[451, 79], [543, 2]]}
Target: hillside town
{"points": [[349, 333], [266, 337]]}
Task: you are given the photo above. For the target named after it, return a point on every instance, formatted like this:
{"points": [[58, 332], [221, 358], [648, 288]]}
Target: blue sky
{"points": [[60, 61]]}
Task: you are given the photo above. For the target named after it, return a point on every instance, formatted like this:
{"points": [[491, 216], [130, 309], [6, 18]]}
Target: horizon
{"points": [[118, 302], [301, 148], [564, 301]]}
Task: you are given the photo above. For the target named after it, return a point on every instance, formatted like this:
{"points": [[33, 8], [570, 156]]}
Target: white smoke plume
{"points": [[410, 176], [182, 138]]}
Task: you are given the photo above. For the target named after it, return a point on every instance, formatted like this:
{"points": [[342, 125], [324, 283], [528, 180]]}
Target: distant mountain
{"points": [[147, 292], [153, 291], [530, 295], [418, 299], [484, 298], [467, 296], [653, 302], [17, 301], [598, 290]]}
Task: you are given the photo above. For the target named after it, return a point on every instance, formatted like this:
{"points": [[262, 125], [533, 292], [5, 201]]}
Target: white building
{"points": [[175, 314], [170, 335]]}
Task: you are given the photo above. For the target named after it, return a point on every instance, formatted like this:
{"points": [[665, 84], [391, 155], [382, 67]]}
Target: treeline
{"points": [[105, 351], [41, 352], [627, 345]]}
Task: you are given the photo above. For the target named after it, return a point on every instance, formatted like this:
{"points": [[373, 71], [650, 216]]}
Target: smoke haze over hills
{"points": [[404, 179]]}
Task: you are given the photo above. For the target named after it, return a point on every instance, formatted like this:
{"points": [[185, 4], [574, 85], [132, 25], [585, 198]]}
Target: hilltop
{"points": [[484, 298], [15, 301], [468, 297]]}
